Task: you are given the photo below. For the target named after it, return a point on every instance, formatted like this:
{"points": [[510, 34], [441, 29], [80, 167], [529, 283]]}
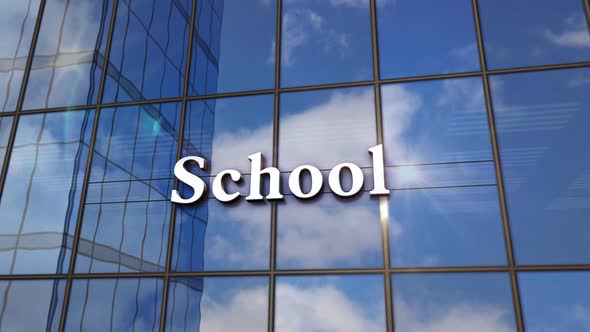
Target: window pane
{"points": [[115, 305], [127, 213], [215, 236], [148, 54], [451, 175], [446, 227], [435, 122], [69, 56], [327, 127], [534, 32], [542, 121], [233, 48], [226, 131], [330, 303], [453, 302], [217, 304], [329, 232], [31, 305], [5, 127], [555, 301], [17, 21], [319, 44], [426, 37], [40, 202]]}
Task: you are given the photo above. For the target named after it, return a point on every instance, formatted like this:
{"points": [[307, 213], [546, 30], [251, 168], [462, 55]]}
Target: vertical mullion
{"points": [[78, 226], [383, 201], [275, 163], [586, 6], [498, 171], [185, 93], [21, 96]]}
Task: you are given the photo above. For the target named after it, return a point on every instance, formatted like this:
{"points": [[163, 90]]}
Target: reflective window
{"points": [[5, 127], [17, 21], [449, 175], [435, 122], [233, 48], [127, 213], [327, 127], [555, 301], [446, 227], [542, 122], [217, 304], [31, 305], [148, 54], [330, 303], [124, 304], [426, 37], [453, 302], [69, 55], [534, 32], [226, 131], [41, 196], [319, 44], [215, 236], [329, 232]]}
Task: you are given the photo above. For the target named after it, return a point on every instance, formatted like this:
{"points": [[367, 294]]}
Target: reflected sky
{"points": [[41, 196], [217, 304], [425, 37], [542, 122], [244, 41], [327, 127], [534, 32], [31, 305], [330, 303], [555, 301], [446, 227], [115, 305], [226, 131], [445, 302], [435, 122], [5, 127], [69, 55], [328, 232], [320, 45], [17, 20], [149, 50]]}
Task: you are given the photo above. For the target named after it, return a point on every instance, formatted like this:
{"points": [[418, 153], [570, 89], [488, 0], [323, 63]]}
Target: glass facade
{"points": [[482, 107]]}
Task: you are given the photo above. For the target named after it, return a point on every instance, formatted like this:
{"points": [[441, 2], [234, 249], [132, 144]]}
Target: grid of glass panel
{"points": [[482, 107]]}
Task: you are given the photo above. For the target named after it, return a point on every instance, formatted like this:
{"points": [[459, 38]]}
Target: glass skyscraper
{"points": [[482, 107]]}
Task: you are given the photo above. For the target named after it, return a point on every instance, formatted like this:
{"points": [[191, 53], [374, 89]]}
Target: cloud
{"points": [[573, 34], [244, 311]]}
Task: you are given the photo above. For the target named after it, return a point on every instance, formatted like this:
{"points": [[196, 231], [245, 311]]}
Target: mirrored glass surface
{"points": [[124, 304], [226, 131], [438, 121], [41, 196], [211, 235], [17, 21], [542, 123], [69, 56], [555, 301], [217, 304], [446, 227], [149, 50], [453, 302], [326, 127], [319, 43], [352, 303], [426, 37], [5, 127], [451, 175], [233, 47], [127, 213], [534, 32], [31, 305], [329, 232]]}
